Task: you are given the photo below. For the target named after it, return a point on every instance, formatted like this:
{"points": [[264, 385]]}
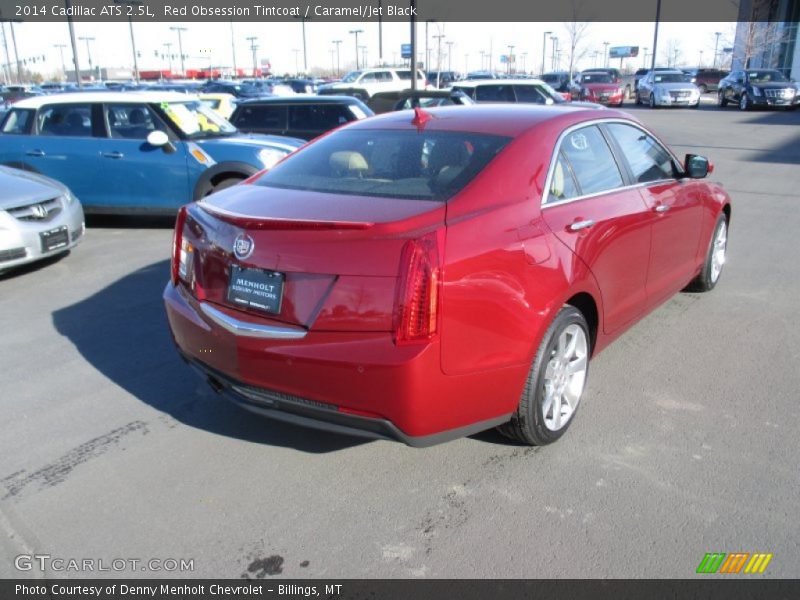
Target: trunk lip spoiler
{"points": [[279, 221]]}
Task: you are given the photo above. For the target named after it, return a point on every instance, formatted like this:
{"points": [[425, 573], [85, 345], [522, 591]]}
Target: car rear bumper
{"points": [[21, 241], [358, 383]]}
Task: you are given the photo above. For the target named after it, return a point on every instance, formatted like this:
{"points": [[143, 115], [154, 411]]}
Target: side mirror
{"points": [[697, 167], [157, 138]]}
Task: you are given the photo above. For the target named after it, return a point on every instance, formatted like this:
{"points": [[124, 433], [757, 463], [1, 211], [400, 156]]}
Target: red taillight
{"points": [[177, 243], [417, 304]]}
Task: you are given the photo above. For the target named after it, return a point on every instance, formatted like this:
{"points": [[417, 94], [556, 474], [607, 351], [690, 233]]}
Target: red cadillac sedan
{"points": [[422, 276], [601, 87]]}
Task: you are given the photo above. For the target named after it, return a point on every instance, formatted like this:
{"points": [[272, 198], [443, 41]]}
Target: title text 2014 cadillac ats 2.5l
{"points": [[422, 276]]}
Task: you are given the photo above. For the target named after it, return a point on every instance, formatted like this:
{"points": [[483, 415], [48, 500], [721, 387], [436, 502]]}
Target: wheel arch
{"points": [[586, 304], [224, 170]]}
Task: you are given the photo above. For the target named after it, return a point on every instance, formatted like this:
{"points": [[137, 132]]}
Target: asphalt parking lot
{"points": [[686, 441]]}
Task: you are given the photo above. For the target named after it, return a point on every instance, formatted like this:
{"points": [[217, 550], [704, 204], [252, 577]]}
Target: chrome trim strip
{"points": [[245, 329], [545, 204]]}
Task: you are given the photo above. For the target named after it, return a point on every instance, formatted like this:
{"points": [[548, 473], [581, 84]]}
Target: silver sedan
{"points": [[39, 218], [667, 88]]}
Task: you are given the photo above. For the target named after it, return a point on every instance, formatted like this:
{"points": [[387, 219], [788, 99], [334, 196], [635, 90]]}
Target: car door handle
{"points": [[113, 154], [661, 208], [34, 153], [578, 225]]}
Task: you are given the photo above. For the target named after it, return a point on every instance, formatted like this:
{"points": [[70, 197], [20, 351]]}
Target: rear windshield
{"points": [[388, 164]]}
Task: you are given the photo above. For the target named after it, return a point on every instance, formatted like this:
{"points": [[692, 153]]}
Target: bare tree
{"points": [[672, 52], [576, 32]]}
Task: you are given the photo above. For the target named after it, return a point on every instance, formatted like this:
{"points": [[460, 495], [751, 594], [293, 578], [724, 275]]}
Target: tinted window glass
{"points": [[648, 159], [388, 164], [18, 121], [562, 185], [530, 93], [494, 93], [261, 117], [72, 120], [320, 117], [131, 121], [592, 162]]}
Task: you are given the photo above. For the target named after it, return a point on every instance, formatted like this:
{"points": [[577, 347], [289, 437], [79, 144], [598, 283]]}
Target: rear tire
{"points": [[652, 101], [555, 382], [715, 259], [703, 88], [744, 102], [722, 102]]}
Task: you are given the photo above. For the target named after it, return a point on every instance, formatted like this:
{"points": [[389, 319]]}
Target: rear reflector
{"points": [[417, 303]]}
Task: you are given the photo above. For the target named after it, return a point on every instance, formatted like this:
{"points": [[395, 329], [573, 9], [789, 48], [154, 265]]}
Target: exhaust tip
{"points": [[215, 384]]}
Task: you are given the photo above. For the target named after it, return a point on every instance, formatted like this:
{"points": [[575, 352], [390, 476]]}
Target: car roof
{"points": [[504, 119], [148, 97], [301, 99], [479, 82]]}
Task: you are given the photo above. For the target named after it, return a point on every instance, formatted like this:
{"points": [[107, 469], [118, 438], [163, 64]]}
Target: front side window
{"points": [[388, 164], [320, 117], [132, 121], [591, 160], [66, 120], [530, 94], [647, 159]]}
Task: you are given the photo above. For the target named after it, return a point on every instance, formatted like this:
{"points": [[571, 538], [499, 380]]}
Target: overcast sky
{"points": [[277, 42]]}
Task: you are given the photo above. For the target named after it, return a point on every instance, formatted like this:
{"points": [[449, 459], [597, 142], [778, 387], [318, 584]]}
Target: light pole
{"points": [[180, 30], [380, 33], [338, 70], [254, 49], [7, 64], [233, 52], [305, 56], [701, 59], [89, 52], [61, 52], [524, 62], [413, 39], [544, 49], [363, 55], [644, 58], [427, 52], [332, 53], [168, 46], [508, 58], [555, 51], [132, 3], [716, 47], [450, 55], [655, 36], [438, 38], [355, 32], [605, 54], [16, 56]]}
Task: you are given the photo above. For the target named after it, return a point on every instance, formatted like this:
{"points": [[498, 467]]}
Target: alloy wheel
{"points": [[718, 251], [565, 377]]}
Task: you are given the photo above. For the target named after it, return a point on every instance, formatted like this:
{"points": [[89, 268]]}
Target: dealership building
{"points": [[766, 36]]}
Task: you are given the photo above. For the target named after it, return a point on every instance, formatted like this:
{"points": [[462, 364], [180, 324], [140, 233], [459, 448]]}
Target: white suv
{"points": [[366, 82]]}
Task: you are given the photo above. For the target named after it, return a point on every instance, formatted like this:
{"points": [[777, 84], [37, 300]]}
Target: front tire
{"points": [[715, 259], [652, 101], [744, 102], [722, 102], [555, 382], [224, 184]]}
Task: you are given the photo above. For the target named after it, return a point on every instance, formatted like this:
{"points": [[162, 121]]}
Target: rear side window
{"points": [[494, 93], [648, 160], [66, 120], [591, 160], [562, 184], [388, 164], [261, 117], [319, 117], [18, 121]]}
